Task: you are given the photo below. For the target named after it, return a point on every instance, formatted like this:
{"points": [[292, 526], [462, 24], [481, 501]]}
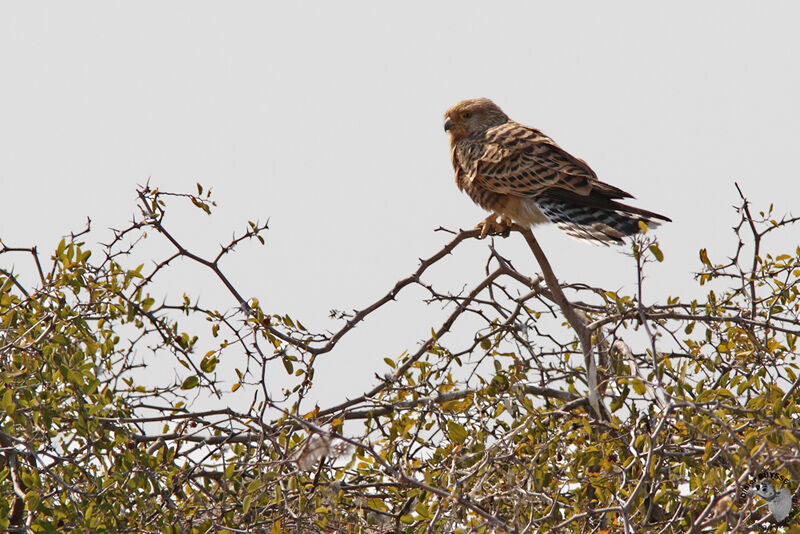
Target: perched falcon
{"points": [[522, 176]]}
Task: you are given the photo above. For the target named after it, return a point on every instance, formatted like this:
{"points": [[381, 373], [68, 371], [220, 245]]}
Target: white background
{"points": [[326, 118]]}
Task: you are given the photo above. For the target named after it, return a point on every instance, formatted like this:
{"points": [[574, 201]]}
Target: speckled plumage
{"points": [[521, 175]]}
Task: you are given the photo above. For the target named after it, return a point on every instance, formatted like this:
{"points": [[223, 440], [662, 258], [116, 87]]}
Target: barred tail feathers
{"points": [[599, 221]]}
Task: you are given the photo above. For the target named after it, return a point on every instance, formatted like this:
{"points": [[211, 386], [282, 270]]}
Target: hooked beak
{"points": [[448, 125]]}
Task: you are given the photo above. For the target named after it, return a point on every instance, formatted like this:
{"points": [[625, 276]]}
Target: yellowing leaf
{"points": [[657, 252], [704, 257]]}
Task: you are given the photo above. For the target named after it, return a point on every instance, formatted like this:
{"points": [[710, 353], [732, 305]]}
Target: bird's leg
{"points": [[486, 226], [491, 226]]}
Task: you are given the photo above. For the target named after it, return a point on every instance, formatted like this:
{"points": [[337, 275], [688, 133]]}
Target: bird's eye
{"points": [[466, 115]]}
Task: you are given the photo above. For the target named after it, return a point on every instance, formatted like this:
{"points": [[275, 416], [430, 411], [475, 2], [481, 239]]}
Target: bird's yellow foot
{"points": [[492, 226]]}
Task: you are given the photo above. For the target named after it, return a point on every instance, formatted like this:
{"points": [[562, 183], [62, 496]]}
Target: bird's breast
{"points": [[524, 211]]}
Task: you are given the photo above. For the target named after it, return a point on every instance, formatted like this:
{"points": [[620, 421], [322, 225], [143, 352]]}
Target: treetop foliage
{"points": [[569, 408]]}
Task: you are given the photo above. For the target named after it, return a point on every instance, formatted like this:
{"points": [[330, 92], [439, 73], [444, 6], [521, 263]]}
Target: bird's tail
{"points": [[601, 223]]}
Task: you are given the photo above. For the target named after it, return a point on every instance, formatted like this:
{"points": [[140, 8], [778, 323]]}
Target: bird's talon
{"points": [[491, 226], [505, 224]]}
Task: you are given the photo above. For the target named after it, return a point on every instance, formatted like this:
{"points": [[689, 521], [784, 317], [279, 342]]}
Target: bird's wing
{"points": [[781, 505], [516, 160]]}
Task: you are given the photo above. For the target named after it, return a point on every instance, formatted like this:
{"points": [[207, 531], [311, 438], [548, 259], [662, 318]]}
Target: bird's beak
{"points": [[448, 125]]}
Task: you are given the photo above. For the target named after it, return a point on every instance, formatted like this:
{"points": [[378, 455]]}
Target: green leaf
{"points": [[190, 383], [209, 362], [147, 303], [7, 403], [377, 504], [456, 432]]}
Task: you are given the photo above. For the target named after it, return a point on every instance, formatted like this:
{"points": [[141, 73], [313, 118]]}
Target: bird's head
{"points": [[472, 116], [765, 490]]}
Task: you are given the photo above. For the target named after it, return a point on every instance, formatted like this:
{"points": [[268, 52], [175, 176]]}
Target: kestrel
{"points": [[522, 176]]}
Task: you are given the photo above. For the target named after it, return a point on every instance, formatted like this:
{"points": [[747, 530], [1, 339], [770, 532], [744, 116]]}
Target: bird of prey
{"points": [[779, 502], [522, 176]]}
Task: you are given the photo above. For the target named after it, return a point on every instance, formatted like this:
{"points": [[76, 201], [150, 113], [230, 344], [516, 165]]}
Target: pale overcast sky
{"points": [[326, 117]]}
